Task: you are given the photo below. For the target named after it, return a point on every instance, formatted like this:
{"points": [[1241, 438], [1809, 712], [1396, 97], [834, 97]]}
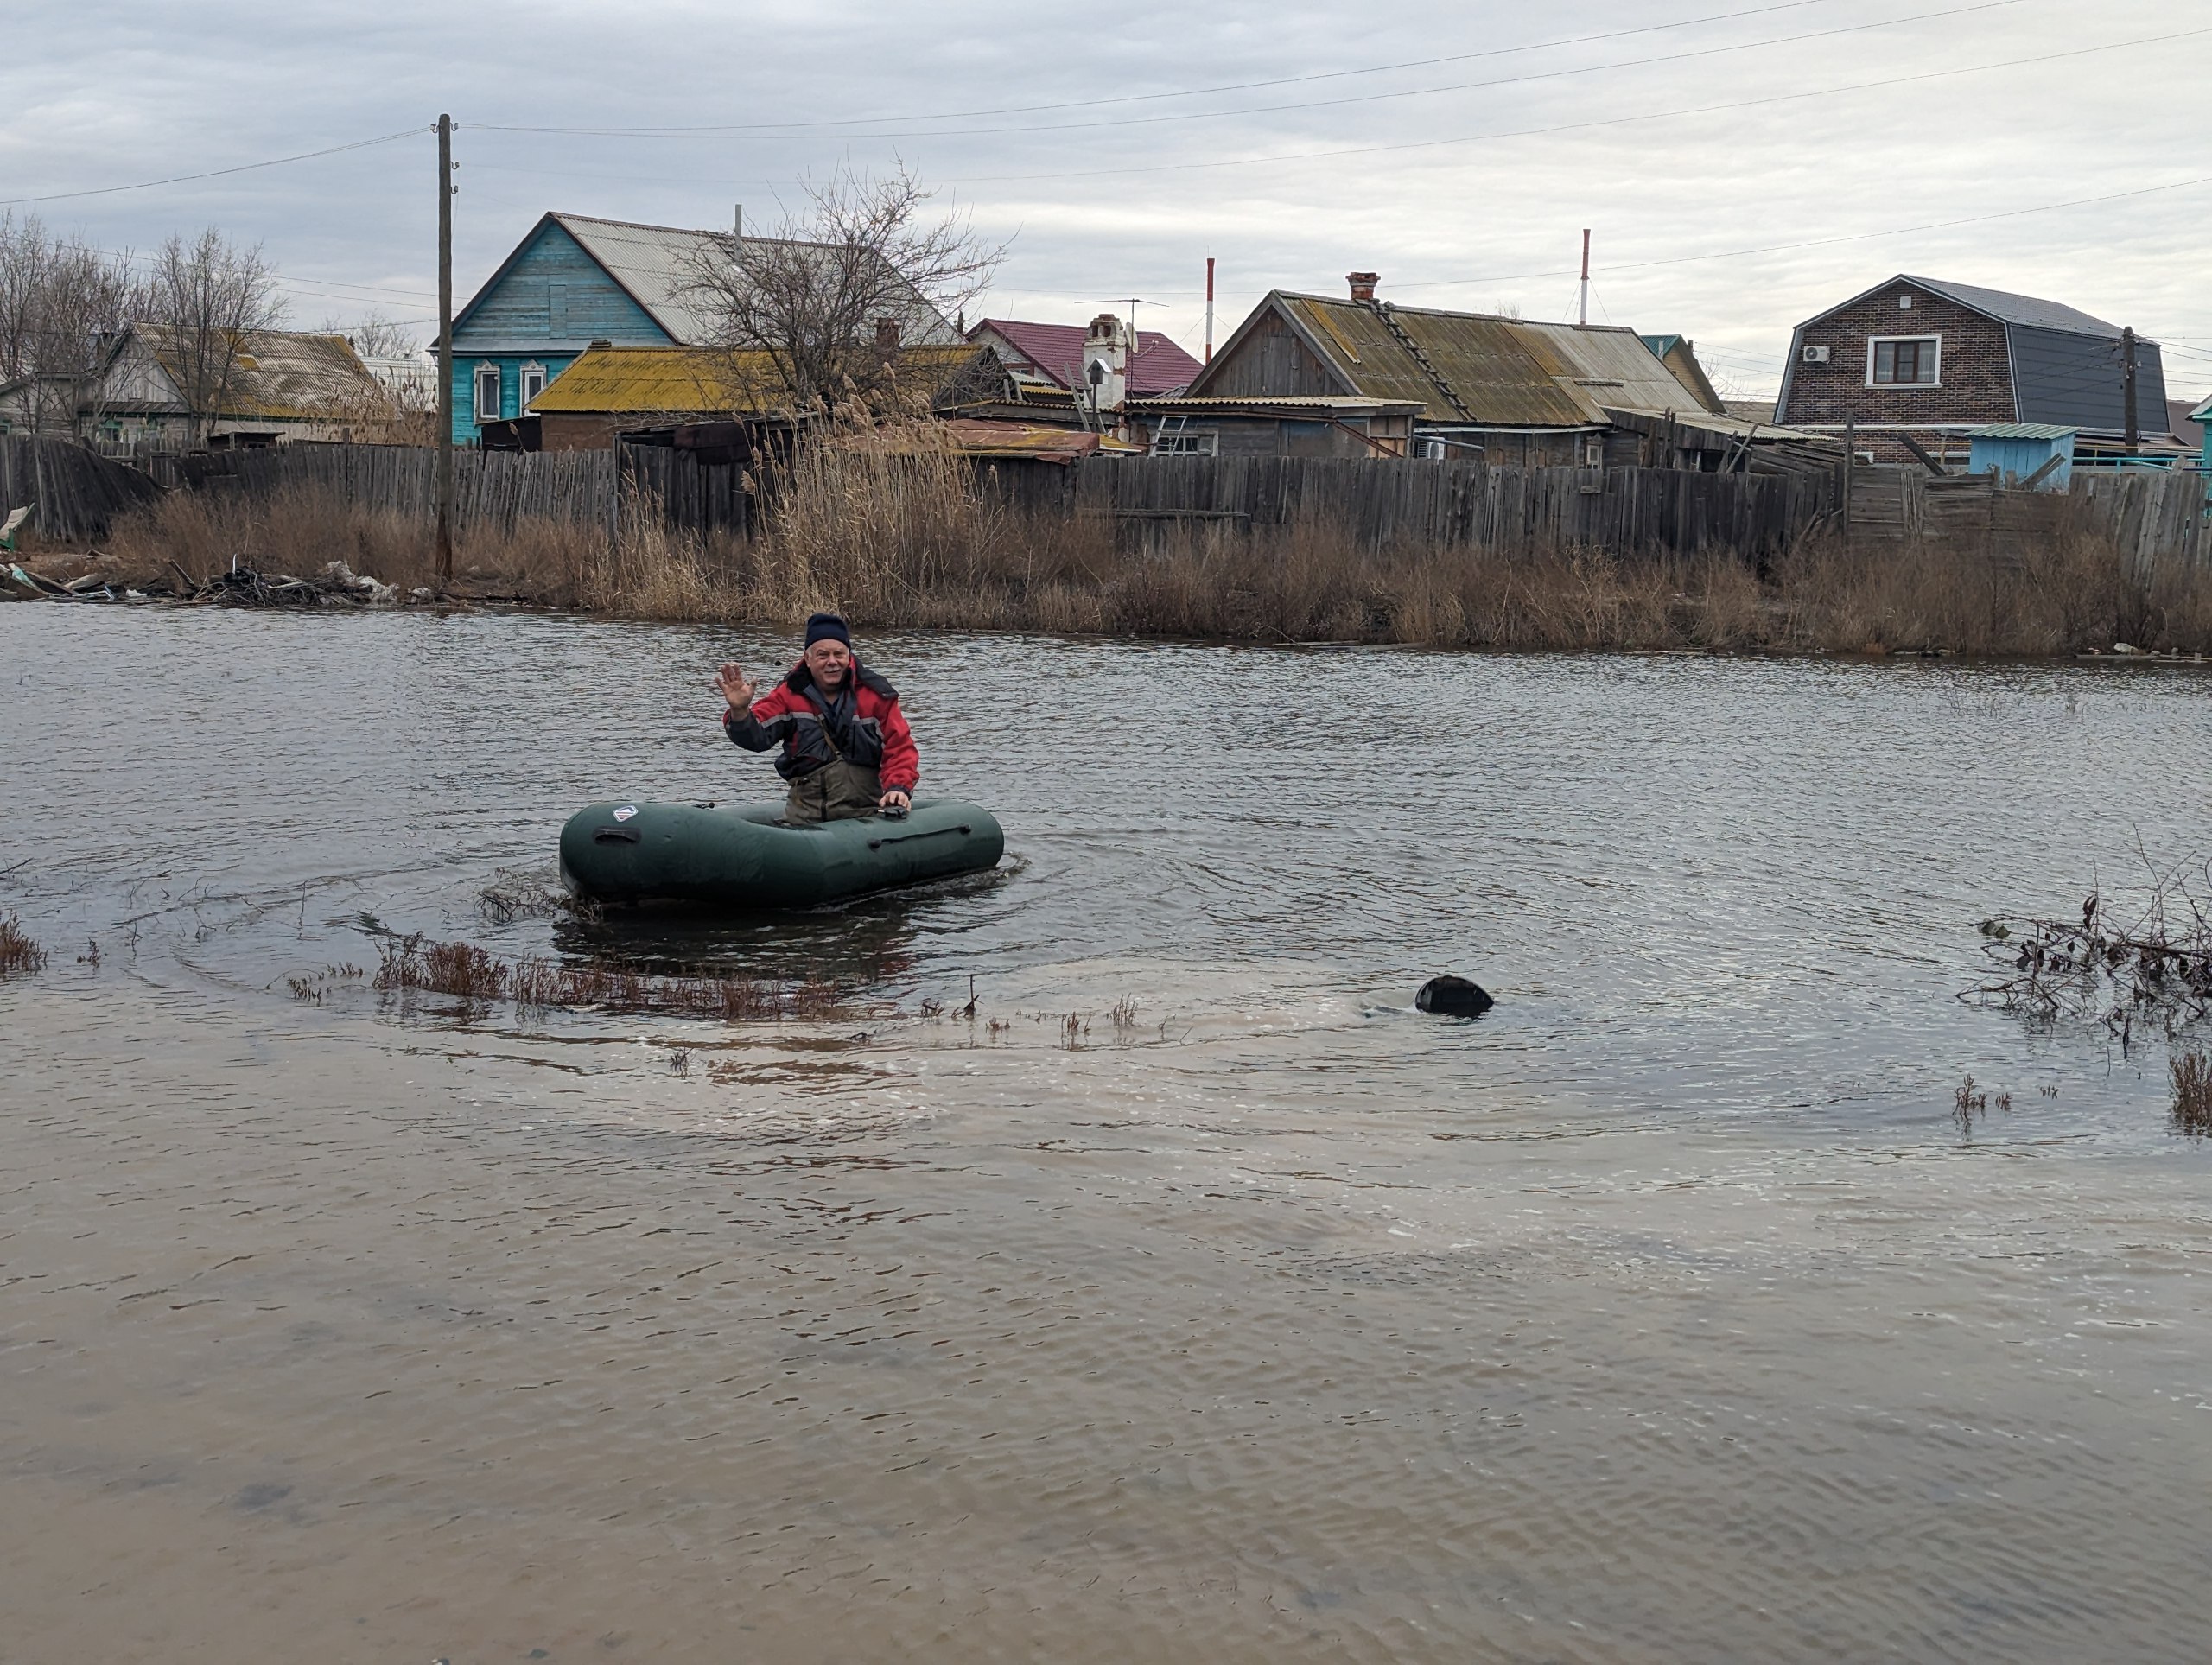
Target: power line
{"points": [[219, 173], [777, 129], [1189, 92], [1577, 127], [1819, 242]]}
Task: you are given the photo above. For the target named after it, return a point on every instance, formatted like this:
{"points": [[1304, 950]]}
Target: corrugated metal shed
{"points": [[2024, 450], [2021, 430]]}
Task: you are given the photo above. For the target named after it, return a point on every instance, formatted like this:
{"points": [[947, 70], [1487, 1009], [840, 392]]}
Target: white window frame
{"points": [[1873, 341], [533, 369], [499, 384]]}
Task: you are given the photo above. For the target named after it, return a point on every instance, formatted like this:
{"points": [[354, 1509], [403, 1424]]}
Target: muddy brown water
{"points": [[1666, 1312]]}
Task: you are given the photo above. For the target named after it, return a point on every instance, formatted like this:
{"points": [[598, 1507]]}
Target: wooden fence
{"points": [[75, 497], [2156, 517], [1383, 501]]}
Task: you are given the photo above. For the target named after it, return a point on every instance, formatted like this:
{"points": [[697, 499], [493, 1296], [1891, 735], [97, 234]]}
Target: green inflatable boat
{"points": [[749, 857]]}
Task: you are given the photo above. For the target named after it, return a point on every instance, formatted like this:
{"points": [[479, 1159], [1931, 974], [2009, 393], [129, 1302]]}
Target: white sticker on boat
{"points": [[625, 812]]}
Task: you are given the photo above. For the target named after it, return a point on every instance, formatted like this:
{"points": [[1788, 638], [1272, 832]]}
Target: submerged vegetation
{"points": [[19, 955], [2191, 1070], [901, 540], [415, 964], [2153, 969]]}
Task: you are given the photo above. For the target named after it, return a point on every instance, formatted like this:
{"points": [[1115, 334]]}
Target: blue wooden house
{"points": [[2202, 415], [574, 280]]}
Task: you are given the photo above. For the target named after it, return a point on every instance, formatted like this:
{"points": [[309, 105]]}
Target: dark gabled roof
{"points": [[2028, 311], [2009, 308], [1158, 366]]}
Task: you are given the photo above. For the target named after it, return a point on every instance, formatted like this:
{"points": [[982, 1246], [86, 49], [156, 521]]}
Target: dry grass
{"points": [[897, 538], [19, 955], [2192, 1075], [415, 964]]}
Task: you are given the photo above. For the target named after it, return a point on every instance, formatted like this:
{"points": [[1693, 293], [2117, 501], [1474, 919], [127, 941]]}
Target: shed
{"points": [[2202, 417], [2023, 452], [611, 389]]}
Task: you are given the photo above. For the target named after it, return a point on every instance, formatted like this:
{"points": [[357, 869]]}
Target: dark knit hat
{"points": [[828, 627]]}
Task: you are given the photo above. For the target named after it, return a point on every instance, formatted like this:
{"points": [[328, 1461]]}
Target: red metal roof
{"points": [[1056, 350]]}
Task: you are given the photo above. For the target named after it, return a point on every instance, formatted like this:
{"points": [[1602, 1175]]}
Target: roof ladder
{"points": [[1388, 314]]}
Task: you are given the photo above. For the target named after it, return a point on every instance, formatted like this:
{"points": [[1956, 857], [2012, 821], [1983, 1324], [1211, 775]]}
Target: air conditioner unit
{"points": [[1816, 355]]}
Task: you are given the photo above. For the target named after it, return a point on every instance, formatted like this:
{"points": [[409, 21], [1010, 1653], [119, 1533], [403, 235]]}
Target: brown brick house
{"points": [[1929, 358]]}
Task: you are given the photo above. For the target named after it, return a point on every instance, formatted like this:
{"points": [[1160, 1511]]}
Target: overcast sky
{"points": [[1457, 148]]}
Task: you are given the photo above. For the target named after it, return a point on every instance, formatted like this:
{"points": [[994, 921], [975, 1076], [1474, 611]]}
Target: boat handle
{"points": [[615, 835], [908, 838]]}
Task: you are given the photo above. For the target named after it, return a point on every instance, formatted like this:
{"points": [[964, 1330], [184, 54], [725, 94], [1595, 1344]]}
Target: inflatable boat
{"points": [[749, 857]]}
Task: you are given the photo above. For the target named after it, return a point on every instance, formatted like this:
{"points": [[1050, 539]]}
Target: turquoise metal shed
{"points": [[2024, 451]]}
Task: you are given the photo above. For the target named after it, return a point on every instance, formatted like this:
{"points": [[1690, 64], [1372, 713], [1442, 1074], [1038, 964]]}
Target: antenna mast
{"points": [[1582, 318]]}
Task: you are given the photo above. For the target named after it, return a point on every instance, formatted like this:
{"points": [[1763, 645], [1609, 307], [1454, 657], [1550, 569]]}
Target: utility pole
{"points": [[2127, 384], [445, 351], [1582, 317]]}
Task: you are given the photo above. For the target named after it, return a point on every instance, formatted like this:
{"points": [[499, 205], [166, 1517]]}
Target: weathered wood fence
{"points": [[2158, 518], [1386, 501], [75, 497], [494, 490]]}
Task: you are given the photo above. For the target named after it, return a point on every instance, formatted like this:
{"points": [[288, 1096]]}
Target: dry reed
{"points": [[895, 534], [415, 964], [2191, 1069], [19, 955]]}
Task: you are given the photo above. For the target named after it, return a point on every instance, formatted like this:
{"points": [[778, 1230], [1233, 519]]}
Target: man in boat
{"points": [[847, 749]]}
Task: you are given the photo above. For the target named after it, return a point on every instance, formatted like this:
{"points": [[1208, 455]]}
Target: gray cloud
{"points": [[1111, 201]]}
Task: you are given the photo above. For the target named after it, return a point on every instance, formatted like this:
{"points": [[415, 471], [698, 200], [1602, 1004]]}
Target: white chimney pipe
{"points": [[1106, 362]]}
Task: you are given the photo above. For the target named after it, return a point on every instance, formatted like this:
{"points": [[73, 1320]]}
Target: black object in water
{"points": [[1453, 997]]}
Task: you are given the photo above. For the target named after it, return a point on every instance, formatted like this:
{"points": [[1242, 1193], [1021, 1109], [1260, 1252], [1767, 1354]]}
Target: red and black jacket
{"points": [[862, 725]]}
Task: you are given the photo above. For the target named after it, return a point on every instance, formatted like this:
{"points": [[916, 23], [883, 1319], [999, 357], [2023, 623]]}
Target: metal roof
{"points": [[1507, 372], [2202, 413], [1159, 365], [2010, 309], [990, 438], [659, 265], [1320, 404], [277, 375], [654, 380], [2021, 430], [1491, 367]]}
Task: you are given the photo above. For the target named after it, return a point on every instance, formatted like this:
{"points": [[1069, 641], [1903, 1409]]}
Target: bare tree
{"points": [[829, 299], [62, 303], [377, 337], [204, 297]]}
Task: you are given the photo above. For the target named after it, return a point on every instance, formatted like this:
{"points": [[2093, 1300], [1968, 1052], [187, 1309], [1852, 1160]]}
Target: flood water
{"points": [[1666, 1312]]}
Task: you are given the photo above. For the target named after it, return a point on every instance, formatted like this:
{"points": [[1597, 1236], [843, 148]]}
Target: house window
{"points": [[533, 383], [1903, 361], [487, 393]]}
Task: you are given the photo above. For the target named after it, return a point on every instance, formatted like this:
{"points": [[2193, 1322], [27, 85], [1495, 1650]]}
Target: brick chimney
{"points": [[887, 335], [1363, 285]]}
